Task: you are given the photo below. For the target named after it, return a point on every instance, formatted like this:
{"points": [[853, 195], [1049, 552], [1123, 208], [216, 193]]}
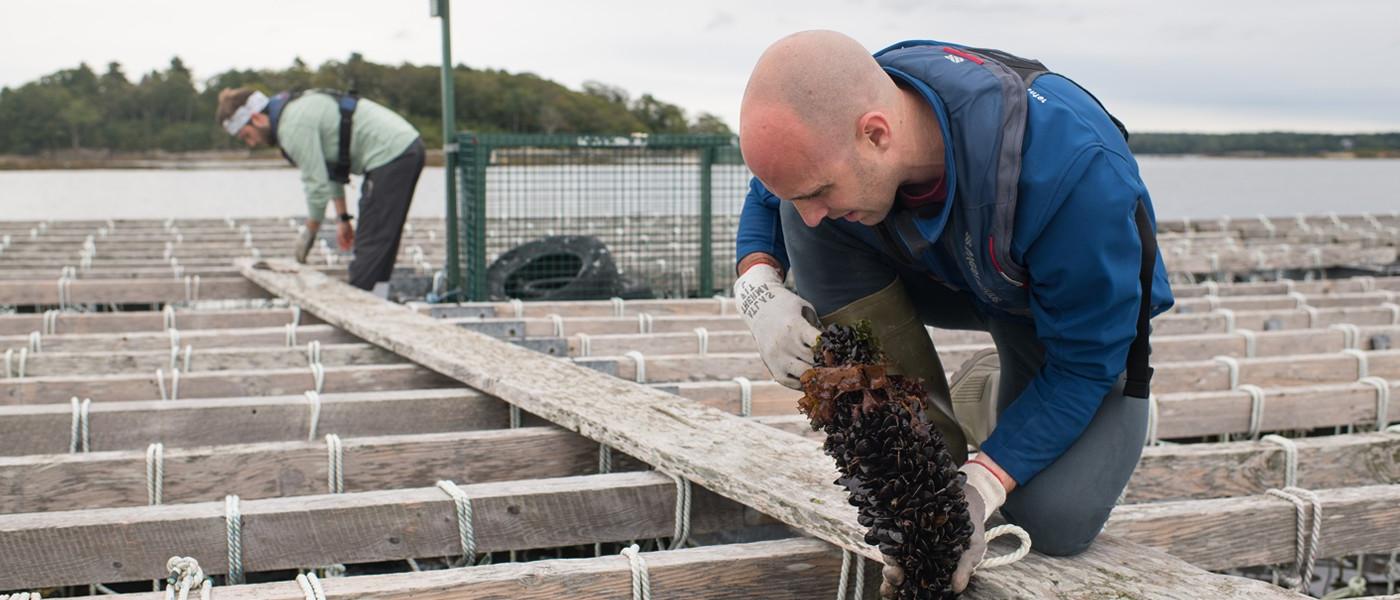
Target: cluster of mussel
{"points": [[895, 466]]}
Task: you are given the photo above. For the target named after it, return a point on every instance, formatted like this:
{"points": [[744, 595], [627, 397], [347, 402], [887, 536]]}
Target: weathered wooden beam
{"points": [[726, 454], [201, 339], [201, 360], [1306, 407], [102, 291], [132, 425], [1283, 287], [119, 322], [1193, 471], [1279, 302], [791, 569], [125, 544], [218, 384], [49, 482], [1260, 530]]}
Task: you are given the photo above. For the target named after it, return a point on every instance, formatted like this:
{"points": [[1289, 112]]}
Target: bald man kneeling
{"points": [[936, 184]]}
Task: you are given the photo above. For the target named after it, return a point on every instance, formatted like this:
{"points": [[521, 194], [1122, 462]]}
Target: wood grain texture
{"points": [[217, 384], [153, 322], [49, 482], [125, 544], [202, 360], [132, 425], [1260, 530], [139, 341], [108, 290]]}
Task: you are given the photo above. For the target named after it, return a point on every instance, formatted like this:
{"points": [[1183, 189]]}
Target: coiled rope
{"points": [[1307, 541], [184, 576]]}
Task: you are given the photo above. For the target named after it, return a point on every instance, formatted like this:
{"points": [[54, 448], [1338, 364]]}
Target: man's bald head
{"points": [[820, 82]]}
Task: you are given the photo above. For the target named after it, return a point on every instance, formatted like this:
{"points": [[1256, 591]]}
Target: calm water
{"points": [[1181, 187]]}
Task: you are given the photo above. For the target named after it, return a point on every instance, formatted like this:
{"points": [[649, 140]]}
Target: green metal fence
{"points": [[574, 217]]}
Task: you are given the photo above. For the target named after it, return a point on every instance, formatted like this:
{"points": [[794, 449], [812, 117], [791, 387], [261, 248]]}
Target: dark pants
{"points": [[385, 197], [1063, 507]]}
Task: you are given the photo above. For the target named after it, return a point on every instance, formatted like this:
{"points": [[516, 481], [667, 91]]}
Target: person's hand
{"points": [[345, 236], [305, 238], [985, 494], [780, 320]]}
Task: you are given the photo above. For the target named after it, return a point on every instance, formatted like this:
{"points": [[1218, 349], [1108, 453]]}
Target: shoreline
{"points": [[172, 161]]}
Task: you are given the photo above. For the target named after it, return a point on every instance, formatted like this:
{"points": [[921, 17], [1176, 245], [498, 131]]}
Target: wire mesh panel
{"points": [[576, 217]]}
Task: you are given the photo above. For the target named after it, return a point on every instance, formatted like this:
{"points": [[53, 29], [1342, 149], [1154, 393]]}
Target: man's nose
{"points": [[812, 213]]}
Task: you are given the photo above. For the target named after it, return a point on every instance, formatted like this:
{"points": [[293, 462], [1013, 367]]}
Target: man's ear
{"points": [[875, 129], [259, 119]]}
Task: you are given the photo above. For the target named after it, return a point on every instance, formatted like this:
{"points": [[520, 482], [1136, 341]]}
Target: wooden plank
{"points": [[1260, 530], [201, 360], [49, 482], [1190, 471], [217, 384], [1277, 302], [132, 425], [725, 454], [791, 569], [91, 323], [201, 339], [1307, 407], [125, 544], [102, 291]]}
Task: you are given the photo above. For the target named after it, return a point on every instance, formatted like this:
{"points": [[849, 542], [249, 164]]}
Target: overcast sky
{"points": [[1161, 65]]}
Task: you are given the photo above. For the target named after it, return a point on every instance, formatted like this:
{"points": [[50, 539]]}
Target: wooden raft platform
{"points": [[415, 395]]}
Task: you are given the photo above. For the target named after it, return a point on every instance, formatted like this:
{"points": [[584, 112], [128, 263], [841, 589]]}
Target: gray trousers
{"points": [[385, 197], [1063, 507]]}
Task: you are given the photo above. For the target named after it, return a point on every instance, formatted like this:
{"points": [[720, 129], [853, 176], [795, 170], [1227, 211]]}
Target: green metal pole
{"points": [[440, 10], [707, 253]]}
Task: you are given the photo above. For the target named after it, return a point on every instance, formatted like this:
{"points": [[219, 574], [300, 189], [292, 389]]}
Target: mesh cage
{"points": [[563, 217]]}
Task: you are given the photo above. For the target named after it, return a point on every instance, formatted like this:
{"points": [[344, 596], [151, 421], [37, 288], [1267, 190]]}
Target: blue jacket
{"points": [[1074, 237]]}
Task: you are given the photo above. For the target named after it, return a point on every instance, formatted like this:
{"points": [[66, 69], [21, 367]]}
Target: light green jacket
{"points": [[309, 132]]}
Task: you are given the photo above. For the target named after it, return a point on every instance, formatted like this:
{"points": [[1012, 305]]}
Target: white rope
{"points": [[1312, 316], [1233, 365], [36, 342], [313, 352], [1256, 408], [682, 531], [517, 307], [184, 576], [558, 325], [1212, 288], [291, 334], [745, 396], [514, 417], [1011, 557], [618, 306], [1251, 344], [1367, 282], [314, 418], [335, 464], [1288, 286], [1362, 365], [191, 289], [189, 355], [1151, 438], [1290, 458], [51, 322], [310, 586], [1394, 312], [1299, 300], [644, 323], [318, 377], [1214, 262], [1306, 552], [702, 341], [641, 583], [1212, 301], [604, 459], [465, 532], [1229, 316], [65, 293], [1382, 399], [842, 583], [155, 473], [174, 384], [9, 360], [234, 520], [296, 315], [585, 345], [78, 438], [723, 304], [641, 374], [1350, 334]]}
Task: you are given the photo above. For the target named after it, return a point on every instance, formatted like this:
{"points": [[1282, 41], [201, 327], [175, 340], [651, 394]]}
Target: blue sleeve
{"points": [[759, 227], [1085, 299]]}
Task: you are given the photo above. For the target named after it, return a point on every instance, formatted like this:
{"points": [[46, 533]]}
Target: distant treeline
{"points": [[79, 109], [1267, 144]]}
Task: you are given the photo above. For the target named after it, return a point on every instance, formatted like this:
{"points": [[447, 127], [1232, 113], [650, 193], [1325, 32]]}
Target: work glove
{"points": [[305, 238], [780, 320], [985, 494]]}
